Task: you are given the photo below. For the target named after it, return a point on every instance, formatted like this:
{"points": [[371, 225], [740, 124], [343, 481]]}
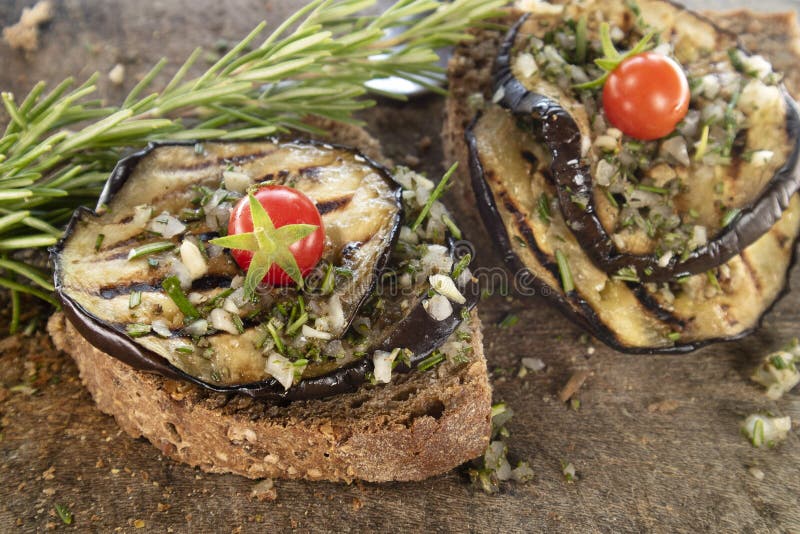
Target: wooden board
{"points": [[655, 442]]}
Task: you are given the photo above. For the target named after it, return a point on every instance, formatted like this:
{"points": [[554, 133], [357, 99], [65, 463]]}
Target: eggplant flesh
{"points": [[362, 212], [733, 200], [512, 180]]}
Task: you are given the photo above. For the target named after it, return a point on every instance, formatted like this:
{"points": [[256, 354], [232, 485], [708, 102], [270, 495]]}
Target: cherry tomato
{"points": [[284, 205], [646, 96]]}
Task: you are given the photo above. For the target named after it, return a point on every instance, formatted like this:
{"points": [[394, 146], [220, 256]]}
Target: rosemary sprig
{"points": [[59, 146]]}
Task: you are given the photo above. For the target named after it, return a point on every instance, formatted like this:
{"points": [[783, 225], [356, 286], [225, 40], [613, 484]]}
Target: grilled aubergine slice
{"points": [[681, 205], [127, 285], [516, 192]]}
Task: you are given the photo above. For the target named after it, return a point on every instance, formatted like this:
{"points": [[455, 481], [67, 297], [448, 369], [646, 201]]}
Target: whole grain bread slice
{"points": [[774, 35], [419, 425]]}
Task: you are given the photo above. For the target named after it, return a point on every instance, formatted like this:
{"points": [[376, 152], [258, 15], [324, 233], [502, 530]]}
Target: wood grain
{"points": [[655, 442]]}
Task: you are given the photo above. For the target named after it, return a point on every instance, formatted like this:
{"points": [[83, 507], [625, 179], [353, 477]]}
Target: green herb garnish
{"points": [[462, 264], [276, 338], [627, 274], [297, 324], [581, 39], [134, 299], [150, 248], [328, 282], [729, 216], [431, 361], [237, 322], [653, 189], [438, 191], [138, 329], [543, 208], [702, 145], [567, 282], [172, 287], [455, 231], [184, 349], [612, 57], [60, 145], [508, 321], [64, 514], [778, 363], [713, 280]]}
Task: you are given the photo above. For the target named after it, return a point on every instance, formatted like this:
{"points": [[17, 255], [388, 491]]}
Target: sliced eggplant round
{"points": [[662, 210], [516, 193], [131, 289]]}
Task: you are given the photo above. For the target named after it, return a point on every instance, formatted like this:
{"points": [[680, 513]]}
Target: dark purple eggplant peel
{"points": [[529, 177], [558, 130], [409, 328], [510, 173]]}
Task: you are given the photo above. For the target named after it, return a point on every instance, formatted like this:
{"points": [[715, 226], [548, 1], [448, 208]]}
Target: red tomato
{"points": [[284, 205], [646, 96]]}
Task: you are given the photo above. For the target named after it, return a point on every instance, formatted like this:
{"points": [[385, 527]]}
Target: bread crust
{"points": [[419, 425]]}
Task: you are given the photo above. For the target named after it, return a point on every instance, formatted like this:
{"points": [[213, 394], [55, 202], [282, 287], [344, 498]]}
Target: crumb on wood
{"points": [[665, 406], [24, 35], [357, 503], [412, 161], [49, 474], [573, 384], [264, 490], [424, 144], [757, 473], [117, 74]]}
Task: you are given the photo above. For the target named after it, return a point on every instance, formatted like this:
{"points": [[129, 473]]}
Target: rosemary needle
{"points": [[59, 146]]}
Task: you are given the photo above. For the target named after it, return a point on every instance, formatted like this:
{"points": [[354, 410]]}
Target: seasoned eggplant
{"points": [[514, 185], [660, 210], [133, 286]]}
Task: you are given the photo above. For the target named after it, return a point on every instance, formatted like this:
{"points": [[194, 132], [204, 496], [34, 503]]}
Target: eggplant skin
{"points": [[628, 317], [560, 132], [415, 331]]}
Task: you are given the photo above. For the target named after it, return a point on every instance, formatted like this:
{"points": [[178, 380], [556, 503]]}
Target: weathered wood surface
{"points": [[655, 442]]}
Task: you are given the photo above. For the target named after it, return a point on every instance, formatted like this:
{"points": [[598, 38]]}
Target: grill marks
{"points": [[647, 321], [361, 236], [751, 271], [209, 162], [153, 285], [524, 228], [334, 204]]}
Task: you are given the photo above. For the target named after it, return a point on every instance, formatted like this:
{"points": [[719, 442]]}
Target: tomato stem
{"points": [[612, 57]]}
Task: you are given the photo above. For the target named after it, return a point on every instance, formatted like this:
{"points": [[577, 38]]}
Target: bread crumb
{"points": [[117, 74], [49, 491], [357, 504], [49, 474], [412, 161], [665, 406], [139, 523], [24, 35], [757, 473], [264, 490]]}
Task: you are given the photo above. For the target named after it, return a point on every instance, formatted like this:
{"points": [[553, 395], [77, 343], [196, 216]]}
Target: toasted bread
{"points": [[419, 425]]}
